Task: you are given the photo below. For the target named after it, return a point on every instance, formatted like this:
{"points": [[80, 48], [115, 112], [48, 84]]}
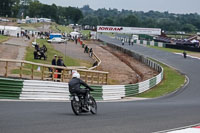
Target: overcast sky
{"points": [[172, 6]]}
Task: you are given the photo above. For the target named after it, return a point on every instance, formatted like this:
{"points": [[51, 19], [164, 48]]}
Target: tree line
{"points": [[33, 8], [152, 19], [87, 16]]}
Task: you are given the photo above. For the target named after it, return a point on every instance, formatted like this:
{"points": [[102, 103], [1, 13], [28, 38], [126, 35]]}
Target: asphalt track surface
{"points": [[178, 109]]}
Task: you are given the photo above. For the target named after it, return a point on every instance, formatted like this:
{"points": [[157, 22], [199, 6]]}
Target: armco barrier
{"points": [[49, 90], [144, 42], [10, 88]]}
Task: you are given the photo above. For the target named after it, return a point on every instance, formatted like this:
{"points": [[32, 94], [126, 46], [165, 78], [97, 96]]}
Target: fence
{"points": [[143, 42], [30, 70]]}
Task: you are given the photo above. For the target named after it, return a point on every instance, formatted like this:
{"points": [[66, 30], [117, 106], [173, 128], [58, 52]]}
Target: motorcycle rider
{"points": [[74, 86]]}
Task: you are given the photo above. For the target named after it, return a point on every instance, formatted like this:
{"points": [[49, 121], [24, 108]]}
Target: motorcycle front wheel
{"points": [[92, 105]]}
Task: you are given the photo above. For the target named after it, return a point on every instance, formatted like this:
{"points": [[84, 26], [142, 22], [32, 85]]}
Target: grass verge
{"points": [[34, 25], [60, 28], [86, 32], [50, 54], [3, 38], [171, 81], [109, 34]]}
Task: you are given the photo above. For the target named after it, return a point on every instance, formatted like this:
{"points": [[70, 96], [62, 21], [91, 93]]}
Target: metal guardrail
{"points": [[31, 70]]}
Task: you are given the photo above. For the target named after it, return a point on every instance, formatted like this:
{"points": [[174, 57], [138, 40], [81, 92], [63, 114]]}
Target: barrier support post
{"points": [[86, 80], [63, 72], [106, 79], [43, 73], [92, 78], [6, 73], [20, 74], [32, 71], [53, 70]]}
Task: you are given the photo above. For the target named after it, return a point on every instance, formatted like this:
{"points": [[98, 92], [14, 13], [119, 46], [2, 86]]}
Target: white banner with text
{"points": [[129, 30]]}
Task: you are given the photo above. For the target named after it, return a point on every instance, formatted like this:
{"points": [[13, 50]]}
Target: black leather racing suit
{"points": [[75, 87]]}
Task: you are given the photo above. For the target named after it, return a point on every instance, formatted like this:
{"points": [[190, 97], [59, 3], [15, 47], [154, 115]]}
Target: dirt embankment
{"points": [[122, 68]]}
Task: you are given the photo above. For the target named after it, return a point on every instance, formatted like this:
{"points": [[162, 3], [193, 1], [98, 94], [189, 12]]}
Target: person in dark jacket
{"points": [[90, 52], [184, 54], [60, 62], [37, 47], [75, 83], [53, 62], [44, 48], [122, 41]]}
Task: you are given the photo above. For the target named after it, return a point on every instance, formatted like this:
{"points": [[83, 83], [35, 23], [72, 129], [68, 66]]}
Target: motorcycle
{"points": [[79, 106]]}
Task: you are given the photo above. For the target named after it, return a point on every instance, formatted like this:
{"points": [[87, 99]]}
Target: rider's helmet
{"points": [[75, 75]]}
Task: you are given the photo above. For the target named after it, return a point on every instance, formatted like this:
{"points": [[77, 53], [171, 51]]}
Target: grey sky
{"points": [[172, 6]]}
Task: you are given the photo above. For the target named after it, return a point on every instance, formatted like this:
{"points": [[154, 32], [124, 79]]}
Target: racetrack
{"points": [[176, 110]]}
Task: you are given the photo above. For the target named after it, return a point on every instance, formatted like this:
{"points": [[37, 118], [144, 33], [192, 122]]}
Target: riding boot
{"points": [[86, 100]]}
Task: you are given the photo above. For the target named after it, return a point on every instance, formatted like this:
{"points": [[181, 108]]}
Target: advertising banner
{"points": [[129, 30]]}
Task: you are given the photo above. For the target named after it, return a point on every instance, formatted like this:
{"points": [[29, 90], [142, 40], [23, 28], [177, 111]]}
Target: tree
{"points": [[90, 20], [15, 8], [108, 21], [50, 11], [73, 14], [131, 21], [189, 28], [35, 9], [6, 7]]}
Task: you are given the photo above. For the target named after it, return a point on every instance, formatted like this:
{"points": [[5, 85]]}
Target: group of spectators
{"points": [[1, 32], [88, 50], [58, 62], [130, 41], [43, 34], [183, 42]]}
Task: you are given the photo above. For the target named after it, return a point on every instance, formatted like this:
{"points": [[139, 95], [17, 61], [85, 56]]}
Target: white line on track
{"points": [[170, 130]]}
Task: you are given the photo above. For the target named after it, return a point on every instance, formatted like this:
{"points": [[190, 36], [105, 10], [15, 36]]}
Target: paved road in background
{"points": [[176, 110]]}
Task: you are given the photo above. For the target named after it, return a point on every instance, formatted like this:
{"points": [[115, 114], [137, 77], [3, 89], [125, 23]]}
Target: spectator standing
{"points": [[132, 41], [60, 62], [35, 54], [86, 49], [53, 62], [122, 41], [76, 40], [37, 47], [129, 41], [44, 48], [91, 52], [184, 54], [95, 64]]}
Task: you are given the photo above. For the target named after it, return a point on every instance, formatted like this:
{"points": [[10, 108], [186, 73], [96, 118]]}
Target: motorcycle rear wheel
{"points": [[76, 107]]}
